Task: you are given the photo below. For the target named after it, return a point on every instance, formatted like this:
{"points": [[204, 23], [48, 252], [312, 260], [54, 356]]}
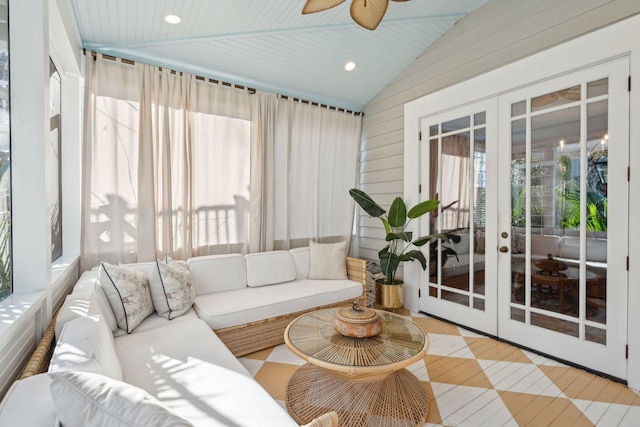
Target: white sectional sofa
{"points": [[178, 370]]}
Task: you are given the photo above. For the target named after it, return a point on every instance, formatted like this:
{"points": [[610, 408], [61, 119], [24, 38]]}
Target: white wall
{"points": [[498, 33]]}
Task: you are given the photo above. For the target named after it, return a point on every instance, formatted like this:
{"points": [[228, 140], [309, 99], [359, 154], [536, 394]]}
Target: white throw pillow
{"points": [[84, 399], [327, 260], [128, 294], [172, 291]]}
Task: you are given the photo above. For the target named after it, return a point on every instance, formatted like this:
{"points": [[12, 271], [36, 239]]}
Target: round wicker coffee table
{"points": [[362, 379]]}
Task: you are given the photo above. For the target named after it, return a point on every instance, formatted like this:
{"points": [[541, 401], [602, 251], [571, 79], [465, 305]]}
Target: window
{"points": [[5, 150], [54, 182]]}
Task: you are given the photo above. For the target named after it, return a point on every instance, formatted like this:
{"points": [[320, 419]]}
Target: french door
{"points": [[563, 217], [459, 169], [537, 223]]}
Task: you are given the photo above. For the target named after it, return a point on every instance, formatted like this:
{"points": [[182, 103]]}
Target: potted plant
{"points": [[399, 241]]}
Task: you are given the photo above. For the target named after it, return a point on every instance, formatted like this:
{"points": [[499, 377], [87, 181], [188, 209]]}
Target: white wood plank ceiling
{"points": [[269, 44]]}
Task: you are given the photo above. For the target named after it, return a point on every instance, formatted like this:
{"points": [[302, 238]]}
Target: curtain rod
{"points": [[250, 90]]}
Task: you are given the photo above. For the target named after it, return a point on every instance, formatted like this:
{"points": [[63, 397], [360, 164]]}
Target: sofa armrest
{"points": [[357, 270], [39, 360], [330, 419]]}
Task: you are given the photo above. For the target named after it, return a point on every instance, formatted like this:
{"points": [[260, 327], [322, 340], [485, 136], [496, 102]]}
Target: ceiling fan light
{"points": [[368, 13], [313, 6]]}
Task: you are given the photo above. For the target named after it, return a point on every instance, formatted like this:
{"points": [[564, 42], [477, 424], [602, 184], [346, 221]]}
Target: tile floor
{"points": [[472, 380]]}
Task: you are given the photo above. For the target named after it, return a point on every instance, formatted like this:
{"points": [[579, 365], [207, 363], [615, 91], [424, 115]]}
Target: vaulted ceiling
{"points": [[269, 44]]}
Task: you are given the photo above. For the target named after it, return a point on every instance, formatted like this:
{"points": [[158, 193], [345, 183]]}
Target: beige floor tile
{"points": [[435, 326], [274, 377], [535, 410], [453, 370], [490, 349]]}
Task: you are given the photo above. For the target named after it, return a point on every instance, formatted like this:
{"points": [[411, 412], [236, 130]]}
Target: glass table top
{"points": [[313, 337]]}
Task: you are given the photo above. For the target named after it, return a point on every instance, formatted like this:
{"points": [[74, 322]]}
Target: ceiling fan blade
{"points": [[400, 0], [368, 13], [313, 6]]}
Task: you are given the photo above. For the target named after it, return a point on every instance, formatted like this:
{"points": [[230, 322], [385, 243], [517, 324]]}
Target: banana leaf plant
{"points": [[395, 223]]}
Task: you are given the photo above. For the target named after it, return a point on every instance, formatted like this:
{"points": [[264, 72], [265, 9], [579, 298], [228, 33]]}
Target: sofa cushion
{"points": [[225, 309], [128, 294], [301, 261], [84, 399], [88, 282], [28, 403], [269, 268], [209, 395], [150, 357], [217, 273], [172, 291], [78, 304], [327, 260], [86, 344]]}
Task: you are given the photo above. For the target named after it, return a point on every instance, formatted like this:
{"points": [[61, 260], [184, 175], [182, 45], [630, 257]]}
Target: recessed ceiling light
{"points": [[172, 19], [350, 66]]}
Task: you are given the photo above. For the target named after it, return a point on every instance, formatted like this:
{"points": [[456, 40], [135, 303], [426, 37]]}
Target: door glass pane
{"points": [[596, 216], [479, 212], [518, 108], [555, 209], [479, 118], [559, 213], [457, 178], [556, 99], [457, 124], [456, 200], [597, 88], [518, 214]]}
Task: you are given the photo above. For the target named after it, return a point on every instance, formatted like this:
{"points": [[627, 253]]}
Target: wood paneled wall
{"points": [[496, 34]]}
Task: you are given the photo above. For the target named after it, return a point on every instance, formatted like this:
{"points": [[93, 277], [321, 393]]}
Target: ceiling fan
{"points": [[367, 13]]}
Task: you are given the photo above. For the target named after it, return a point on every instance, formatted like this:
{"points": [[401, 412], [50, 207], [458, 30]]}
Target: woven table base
{"points": [[397, 399]]}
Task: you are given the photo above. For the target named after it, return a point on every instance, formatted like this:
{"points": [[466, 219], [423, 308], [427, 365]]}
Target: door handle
{"points": [[504, 249]]}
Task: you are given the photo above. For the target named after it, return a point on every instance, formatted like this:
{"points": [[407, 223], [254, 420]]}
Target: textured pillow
{"points": [[84, 399], [172, 291], [327, 260], [128, 294]]}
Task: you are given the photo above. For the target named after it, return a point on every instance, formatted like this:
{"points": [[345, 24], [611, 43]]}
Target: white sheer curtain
{"points": [[178, 166]]}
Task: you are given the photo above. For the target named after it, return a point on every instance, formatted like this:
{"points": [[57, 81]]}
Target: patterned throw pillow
{"points": [[172, 291], [128, 294]]}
